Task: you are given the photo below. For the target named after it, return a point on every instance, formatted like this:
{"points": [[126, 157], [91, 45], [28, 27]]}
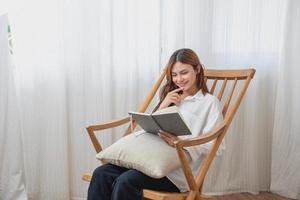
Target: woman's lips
{"points": [[181, 85]]}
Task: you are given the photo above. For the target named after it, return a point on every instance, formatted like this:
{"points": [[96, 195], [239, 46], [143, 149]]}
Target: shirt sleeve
{"points": [[214, 119]]}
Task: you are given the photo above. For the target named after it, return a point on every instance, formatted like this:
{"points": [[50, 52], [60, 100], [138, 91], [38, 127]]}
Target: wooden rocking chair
{"points": [[217, 80]]}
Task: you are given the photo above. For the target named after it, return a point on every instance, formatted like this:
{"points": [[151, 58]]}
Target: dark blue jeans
{"points": [[110, 182]]}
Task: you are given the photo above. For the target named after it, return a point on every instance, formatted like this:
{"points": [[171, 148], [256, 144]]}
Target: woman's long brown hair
{"points": [[186, 56]]}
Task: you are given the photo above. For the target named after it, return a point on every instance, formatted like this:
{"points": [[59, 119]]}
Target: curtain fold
{"points": [[285, 175]]}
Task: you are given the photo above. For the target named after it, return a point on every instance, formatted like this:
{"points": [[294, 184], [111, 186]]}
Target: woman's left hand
{"points": [[168, 138]]}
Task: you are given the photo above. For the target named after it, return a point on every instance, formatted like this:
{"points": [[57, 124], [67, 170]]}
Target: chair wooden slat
{"points": [[240, 74], [230, 94], [220, 95], [213, 87]]}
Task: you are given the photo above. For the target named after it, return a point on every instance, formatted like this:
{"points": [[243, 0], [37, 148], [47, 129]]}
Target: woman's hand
{"points": [[172, 97], [168, 138]]}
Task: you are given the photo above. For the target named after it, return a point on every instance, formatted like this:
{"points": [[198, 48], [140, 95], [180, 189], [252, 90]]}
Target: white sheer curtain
{"points": [[231, 34], [235, 34], [82, 62], [285, 174], [12, 182], [78, 63]]}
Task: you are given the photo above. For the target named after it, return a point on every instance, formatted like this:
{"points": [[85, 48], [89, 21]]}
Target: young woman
{"points": [[185, 88]]}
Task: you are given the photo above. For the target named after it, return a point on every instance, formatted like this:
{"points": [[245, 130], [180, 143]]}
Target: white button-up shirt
{"points": [[201, 113]]}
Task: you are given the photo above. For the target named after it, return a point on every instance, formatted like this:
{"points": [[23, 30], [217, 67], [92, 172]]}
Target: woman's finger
{"points": [[164, 138], [169, 135], [176, 90], [174, 100], [174, 95]]}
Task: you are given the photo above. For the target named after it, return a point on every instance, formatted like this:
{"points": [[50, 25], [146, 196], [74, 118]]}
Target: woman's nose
{"points": [[180, 78]]}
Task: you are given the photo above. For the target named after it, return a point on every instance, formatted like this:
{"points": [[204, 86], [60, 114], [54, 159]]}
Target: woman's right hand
{"points": [[172, 97]]}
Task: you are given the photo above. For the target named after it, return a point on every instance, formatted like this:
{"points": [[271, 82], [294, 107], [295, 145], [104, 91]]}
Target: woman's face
{"points": [[184, 76]]}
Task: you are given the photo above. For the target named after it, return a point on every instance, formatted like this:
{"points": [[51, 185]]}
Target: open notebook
{"points": [[168, 119]]}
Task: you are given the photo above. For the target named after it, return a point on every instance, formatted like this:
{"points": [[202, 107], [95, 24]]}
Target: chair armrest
{"points": [[87, 177], [201, 139], [90, 129], [111, 124], [180, 144]]}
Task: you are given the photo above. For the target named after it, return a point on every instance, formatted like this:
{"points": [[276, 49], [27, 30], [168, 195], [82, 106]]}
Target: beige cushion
{"points": [[142, 151]]}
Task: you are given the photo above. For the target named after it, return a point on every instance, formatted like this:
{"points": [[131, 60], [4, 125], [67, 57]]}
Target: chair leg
{"points": [[193, 195], [205, 197]]}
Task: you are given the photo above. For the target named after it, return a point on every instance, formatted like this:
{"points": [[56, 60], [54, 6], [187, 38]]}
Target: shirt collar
{"points": [[198, 96]]}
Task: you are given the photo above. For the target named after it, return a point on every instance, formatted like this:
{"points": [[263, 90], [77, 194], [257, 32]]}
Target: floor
{"points": [[247, 196]]}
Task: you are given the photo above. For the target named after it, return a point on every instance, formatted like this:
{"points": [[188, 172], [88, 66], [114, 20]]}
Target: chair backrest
{"points": [[229, 86], [213, 78]]}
